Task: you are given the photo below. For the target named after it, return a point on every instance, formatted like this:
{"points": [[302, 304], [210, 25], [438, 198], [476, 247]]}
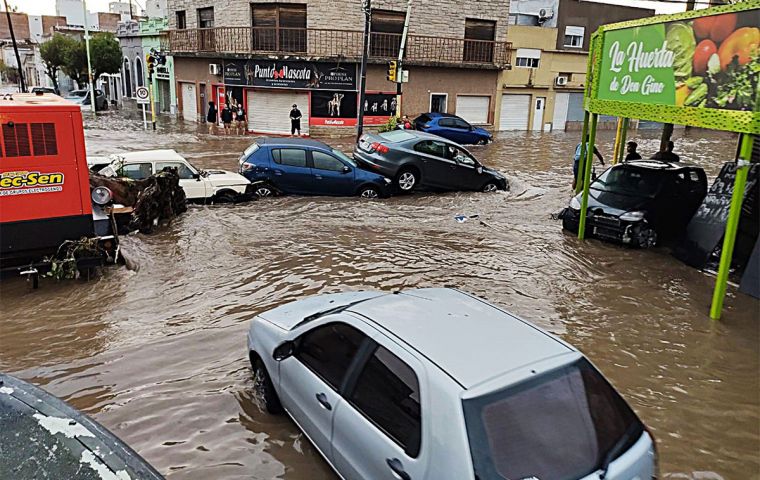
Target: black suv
{"points": [[639, 203]]}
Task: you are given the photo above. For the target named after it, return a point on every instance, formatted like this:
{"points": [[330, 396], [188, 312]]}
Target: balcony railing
{"points": [[314, 42]]}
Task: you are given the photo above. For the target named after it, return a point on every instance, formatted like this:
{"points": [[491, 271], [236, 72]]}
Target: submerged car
{"points": [[200, 186], [308, 167], [452, 128], [82, 97], [433, 384], [640, 203], [417, 159]]}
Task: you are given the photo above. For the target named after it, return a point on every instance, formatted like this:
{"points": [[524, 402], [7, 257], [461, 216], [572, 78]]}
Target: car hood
{"points": [[615, 203], [481, 131], [493, 172], [223, 177], [370, 176], [291, 314]]}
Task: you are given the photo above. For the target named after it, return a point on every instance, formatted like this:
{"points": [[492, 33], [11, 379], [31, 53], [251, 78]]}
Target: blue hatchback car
{"points": [[452, 128], [307, 167]]}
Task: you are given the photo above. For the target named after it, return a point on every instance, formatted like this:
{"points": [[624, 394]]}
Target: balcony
{"points": [[325, 43]]}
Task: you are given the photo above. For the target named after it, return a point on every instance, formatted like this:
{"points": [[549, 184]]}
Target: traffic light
{"points": [[392, 71], [150, 59]]}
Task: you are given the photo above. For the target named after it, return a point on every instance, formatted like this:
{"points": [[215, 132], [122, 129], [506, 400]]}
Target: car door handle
{"points": [[322, 399], [278, 172], [318, 177], [398, 469]]}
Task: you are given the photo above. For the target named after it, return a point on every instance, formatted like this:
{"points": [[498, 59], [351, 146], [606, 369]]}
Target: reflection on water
{"points": [[159, 355]]}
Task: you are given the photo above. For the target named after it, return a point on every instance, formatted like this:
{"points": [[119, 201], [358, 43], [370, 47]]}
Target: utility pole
{"points": [[367, 7], [87, 47], [400, 64], [21, 83]]}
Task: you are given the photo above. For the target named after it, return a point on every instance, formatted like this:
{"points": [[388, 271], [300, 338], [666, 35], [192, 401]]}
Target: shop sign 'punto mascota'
{"points": [[708, 62], [286, 74]]}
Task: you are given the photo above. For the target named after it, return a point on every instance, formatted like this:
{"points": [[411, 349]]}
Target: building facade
{"points": [[543, 90], [267, 56]]}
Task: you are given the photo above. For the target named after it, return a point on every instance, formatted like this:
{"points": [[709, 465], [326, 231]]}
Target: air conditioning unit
{"points": [[545, 14], [561, 81], [214, 69]]}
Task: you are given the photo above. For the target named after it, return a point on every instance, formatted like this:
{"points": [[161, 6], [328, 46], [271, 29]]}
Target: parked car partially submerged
{"points": [[82, 97], [308, 167], [417, 159], [200, 186], [453, 128], [438, 384], [640, 203]]}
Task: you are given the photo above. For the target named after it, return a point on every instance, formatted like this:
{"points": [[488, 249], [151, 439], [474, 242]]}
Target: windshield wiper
{"points": [[615, 451]]}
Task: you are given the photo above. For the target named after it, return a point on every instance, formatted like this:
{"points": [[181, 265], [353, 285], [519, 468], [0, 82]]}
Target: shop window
{"points": [[479, 36], [386, 30], [279, 27], [181, 20], [528, 57], [574, 36]]}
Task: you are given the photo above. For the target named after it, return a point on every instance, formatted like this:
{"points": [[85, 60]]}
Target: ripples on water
{"points": [[159, 355]]}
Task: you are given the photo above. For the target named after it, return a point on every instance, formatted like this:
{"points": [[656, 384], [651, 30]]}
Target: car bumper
{"points": [[603, 227], [370, 162]]}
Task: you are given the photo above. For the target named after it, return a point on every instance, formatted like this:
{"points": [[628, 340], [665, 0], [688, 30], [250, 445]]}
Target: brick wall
{"points": [[441, 18], [50, 21], [20, 26]]}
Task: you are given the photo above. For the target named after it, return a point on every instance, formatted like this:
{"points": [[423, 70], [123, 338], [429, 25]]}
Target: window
{"points": [[183, 170], [528, 57], [136, 171], [446, 122], [460, 156], [431, 147], [438, 102], [43, 139], [206, 17], [574, 36], [181, 20], [387, 392], [479, 36], [328, 351], [16, 139], [294, 157], [386, 29], [323, 161], [459, 123], [279, 27], [139, 81]]}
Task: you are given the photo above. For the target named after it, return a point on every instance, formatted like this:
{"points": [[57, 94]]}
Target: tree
{"points": [[105, 53], [75, 65], [53, 54], [10, 74]]}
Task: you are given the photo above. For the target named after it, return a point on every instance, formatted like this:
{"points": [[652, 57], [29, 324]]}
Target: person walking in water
{"points": [[241, 123], [667, 155], [577, 160], [211, 117], [295, 120], [227, 118], [632, 154]]}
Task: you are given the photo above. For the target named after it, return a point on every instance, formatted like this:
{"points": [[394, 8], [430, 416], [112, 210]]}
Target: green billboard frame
{"points": [[747, 123]]}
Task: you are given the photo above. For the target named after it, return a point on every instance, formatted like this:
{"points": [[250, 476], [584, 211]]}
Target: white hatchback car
{"points": [[203, 186], [436, 384]]}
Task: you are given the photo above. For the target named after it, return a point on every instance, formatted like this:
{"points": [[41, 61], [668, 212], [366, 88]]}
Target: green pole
{"points": [[587, 177], [623, 138], [732, 225], [582, 160]]}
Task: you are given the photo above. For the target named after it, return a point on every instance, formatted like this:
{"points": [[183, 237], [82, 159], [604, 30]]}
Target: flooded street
{"points": [[159, 356]]}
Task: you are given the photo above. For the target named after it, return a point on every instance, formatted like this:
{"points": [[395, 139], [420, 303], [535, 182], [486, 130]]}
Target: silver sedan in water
{"points": [[435, 384]]}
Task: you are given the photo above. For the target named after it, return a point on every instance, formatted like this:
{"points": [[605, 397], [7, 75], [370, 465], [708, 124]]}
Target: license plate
{"points": [[363, 145]]}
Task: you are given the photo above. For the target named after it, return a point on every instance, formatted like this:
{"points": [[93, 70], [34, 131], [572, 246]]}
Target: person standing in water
{"points": [[211, 117], [577, 160], [632, 154], [295, 120]]}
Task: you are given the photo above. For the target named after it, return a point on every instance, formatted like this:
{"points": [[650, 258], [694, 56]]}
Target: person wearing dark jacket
{"points": [[211, 117], [577, 160], [295, 120], [632, 153], [667, 155], [227, 118]]}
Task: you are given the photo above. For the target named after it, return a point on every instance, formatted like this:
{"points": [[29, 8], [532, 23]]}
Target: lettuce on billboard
{"points": [[711, 61]]}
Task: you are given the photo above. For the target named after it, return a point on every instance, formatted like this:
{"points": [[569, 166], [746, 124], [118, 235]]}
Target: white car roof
{"points": [[152, 156]]}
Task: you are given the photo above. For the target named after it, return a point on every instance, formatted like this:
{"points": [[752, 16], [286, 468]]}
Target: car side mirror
{"points": [[197, 176], [346, 169], [284, 350]]}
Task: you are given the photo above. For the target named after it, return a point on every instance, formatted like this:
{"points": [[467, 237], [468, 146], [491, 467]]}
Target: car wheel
{"points": [[407, 180], [369, 192], [224, 197], [263, 191], [483, 141], [490, 187], [263, 386], [645, 236]]}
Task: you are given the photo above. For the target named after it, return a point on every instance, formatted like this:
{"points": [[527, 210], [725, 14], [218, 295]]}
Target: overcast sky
{"points": [[47, 7]]}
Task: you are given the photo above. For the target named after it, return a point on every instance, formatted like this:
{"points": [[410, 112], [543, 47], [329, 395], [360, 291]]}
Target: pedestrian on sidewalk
{"points": [[227, 119], [577, 160], [211, 117], [632, 153], [295, 121], [241, 124]]}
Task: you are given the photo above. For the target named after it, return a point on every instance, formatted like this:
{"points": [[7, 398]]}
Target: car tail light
{"points": [[246, 167], [379, 147], [427, 125]]}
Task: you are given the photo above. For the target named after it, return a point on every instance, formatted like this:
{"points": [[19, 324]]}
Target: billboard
{"points": [[290, 74], [333, 108]]}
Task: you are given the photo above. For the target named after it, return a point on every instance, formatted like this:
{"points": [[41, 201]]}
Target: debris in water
{"points": [[464, 218]]}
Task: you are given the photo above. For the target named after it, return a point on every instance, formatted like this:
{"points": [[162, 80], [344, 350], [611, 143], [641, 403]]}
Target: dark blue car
{"points": [[307, 167], [452, 128]]}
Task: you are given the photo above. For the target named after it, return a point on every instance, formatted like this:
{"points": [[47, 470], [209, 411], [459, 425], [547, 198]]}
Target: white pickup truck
{"points": [[201, 186]]}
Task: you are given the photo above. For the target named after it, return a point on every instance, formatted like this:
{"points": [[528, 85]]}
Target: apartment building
{"points": [[268, 56], [543, 90]]}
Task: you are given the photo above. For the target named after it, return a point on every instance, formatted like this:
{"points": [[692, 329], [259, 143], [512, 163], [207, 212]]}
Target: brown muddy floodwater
{"points": [[159, 355]]}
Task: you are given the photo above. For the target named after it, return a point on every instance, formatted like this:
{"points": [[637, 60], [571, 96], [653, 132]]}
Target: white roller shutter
{"points": [[515, 110], [473, 108], [189, 102], [269, 112], [561, 102]]}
